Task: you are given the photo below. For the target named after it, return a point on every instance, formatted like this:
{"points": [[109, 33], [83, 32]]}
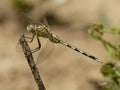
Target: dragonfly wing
{"points": [[27, 19], [45, 22], [45, 52]]}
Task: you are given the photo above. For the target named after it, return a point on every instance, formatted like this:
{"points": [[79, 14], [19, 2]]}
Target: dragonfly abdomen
{"points": [[54, 38], [81, 51]]}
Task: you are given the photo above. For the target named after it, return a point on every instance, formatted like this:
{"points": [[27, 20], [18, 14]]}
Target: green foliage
{"points": [[111, 69], [21, 5]]}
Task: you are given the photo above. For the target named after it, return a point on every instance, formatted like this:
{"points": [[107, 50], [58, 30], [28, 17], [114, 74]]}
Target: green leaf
{"points": [[107, 69]]}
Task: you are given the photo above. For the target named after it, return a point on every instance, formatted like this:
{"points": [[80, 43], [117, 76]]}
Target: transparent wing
{"points": [[45, 52], [27, 19], [45, 22], [48, 47]]}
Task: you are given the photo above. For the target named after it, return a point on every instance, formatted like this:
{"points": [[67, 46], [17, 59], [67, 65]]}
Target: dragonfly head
{"points": [[31, 28]]}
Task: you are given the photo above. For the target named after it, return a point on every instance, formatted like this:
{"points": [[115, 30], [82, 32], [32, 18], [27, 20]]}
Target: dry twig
{"points": [[30, 60]]}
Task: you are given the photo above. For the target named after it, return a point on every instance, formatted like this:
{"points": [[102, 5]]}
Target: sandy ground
{"points": [[64, 69]]}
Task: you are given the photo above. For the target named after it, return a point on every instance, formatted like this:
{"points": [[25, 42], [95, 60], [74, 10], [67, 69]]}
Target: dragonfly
{"points": [[42, 30]]}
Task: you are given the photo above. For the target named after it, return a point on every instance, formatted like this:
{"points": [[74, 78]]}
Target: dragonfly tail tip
{"points": [[98, 60]]}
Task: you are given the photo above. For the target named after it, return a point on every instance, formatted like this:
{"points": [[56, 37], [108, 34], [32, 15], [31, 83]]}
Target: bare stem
{"points": [[31, 63]]}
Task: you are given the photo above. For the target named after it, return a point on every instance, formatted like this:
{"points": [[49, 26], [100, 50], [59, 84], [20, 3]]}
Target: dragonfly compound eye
{"points": [[30, 28]]}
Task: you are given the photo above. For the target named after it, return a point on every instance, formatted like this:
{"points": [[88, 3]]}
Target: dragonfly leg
{"points": [[31, 38], [37, 48]]}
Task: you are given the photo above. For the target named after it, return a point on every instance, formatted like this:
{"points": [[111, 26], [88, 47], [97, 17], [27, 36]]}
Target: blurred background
{"points": [[69, 19]]}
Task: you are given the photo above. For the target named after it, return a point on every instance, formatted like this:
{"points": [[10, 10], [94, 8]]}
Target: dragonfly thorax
{"points": [[40, 30], [43, 31]]}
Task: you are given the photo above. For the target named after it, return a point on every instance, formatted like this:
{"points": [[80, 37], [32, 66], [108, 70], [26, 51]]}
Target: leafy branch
{"points": [[111, 69]]}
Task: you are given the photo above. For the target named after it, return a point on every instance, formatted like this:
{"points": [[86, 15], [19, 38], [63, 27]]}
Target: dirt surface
{"points": [[64, 69]]}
